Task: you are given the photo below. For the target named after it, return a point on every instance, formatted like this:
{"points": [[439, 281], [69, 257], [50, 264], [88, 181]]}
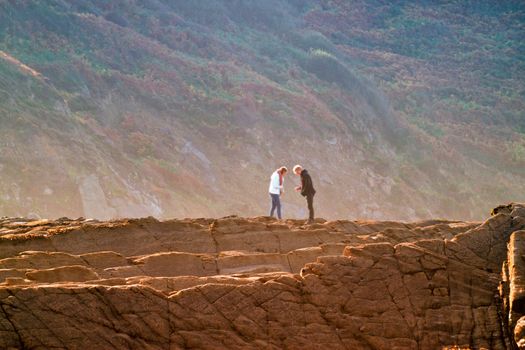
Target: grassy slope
{"points": [[166, 102]]}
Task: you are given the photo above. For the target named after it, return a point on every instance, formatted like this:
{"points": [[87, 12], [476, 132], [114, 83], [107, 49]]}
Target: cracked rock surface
{"points": [[258, 283]]}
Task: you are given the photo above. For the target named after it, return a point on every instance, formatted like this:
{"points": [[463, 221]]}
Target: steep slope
{"points": [[172, 108]]}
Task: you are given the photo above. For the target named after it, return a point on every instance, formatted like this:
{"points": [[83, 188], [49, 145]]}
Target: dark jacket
{"points": [[307, 186]]}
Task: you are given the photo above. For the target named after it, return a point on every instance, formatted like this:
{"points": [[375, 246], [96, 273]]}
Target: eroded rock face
{"points": [[512, 289], [256, 283]]}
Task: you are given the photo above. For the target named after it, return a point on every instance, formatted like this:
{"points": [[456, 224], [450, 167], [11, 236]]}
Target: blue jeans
{"points": [[276, 203]]}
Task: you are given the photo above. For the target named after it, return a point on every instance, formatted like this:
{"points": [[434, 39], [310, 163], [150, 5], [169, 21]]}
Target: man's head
{"points": [[297, 169], [283, 170]]}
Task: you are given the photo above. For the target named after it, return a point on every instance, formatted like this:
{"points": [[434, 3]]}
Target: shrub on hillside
{"points": [[517, 151], [116, 18], [211, 12], [308, 40], [328, 68], [272, 14], [79, 103], [139, 144]]}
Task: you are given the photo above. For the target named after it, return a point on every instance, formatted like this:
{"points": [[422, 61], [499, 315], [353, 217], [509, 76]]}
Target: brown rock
{"points": [[230, 283], [76, 273], [177, 264]]}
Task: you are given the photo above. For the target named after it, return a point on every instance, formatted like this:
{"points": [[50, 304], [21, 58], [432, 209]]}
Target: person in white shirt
{"points": [[276, 189]]}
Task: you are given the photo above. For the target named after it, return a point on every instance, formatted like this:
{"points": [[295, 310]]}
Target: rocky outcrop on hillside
{"points": [[261, 283], [512, 287]]}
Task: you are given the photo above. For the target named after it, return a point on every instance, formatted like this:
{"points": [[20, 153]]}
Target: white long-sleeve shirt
{"points": [[275, 186]]}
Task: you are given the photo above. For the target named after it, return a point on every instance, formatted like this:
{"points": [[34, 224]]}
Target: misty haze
{"points": [[171, 109], [262, 174]]}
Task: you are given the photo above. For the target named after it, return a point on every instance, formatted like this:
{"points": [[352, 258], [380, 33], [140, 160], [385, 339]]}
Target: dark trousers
{"points": [[310, 201], [276, 203]]}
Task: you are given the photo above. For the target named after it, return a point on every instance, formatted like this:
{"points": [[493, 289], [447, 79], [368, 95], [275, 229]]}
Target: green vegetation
{"points": [[404, 87], [430, 128], [517, 150]]}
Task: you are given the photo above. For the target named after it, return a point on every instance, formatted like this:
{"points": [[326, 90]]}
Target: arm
{"points": [[274, 181], [306, 184], [303, 185]]}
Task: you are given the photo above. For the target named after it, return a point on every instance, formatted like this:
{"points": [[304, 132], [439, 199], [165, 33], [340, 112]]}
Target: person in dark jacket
{"points": [[307, 190]]}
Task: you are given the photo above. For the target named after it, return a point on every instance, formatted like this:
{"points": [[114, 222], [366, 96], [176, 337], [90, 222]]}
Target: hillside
{"points": [[259, 283], [176, 108]]}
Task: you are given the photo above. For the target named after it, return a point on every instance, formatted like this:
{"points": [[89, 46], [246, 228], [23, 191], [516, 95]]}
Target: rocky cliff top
{"points": [[261, 283]]}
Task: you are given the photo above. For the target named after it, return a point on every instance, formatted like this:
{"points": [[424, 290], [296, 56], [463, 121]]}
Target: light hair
{"points": [[296, 167], [283, 168]]}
